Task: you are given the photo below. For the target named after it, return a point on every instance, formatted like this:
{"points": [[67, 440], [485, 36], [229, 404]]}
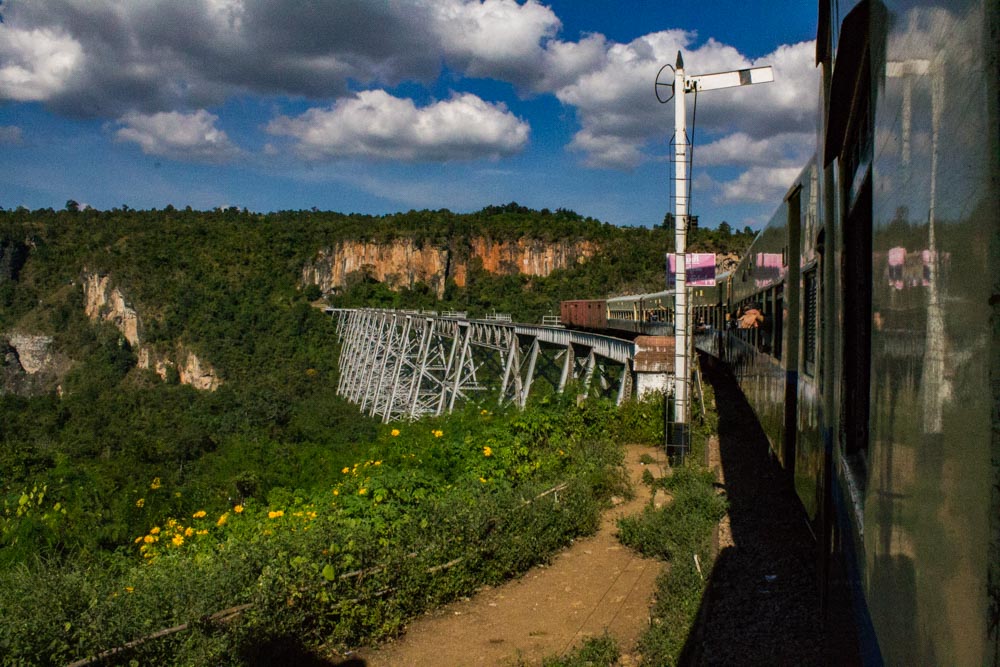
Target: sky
{"points": [[379, 106]]}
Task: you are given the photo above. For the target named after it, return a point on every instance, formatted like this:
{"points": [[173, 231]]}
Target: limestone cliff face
{"points": [[29, 365], [102, 301], [403, 262]]}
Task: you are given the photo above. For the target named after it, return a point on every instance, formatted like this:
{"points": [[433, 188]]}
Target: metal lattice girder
{"points": [[398, 364]]}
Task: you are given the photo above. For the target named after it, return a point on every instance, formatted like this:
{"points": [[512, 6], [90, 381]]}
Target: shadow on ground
{"points": [[762, 605]]}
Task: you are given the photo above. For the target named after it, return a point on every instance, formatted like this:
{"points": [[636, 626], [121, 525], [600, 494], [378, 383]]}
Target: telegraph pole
{"points": [[679, 87]]}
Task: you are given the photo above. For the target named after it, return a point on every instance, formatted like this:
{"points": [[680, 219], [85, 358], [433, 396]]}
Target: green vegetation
{"points": [[681, 533], [93, 464], [595, 652], [433, 510]]}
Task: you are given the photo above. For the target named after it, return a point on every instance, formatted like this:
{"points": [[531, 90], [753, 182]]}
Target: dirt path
{"points": [[595, 585]]}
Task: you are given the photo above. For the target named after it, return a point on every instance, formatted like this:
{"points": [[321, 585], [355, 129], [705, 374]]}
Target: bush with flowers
{"points": [[436, 509]]}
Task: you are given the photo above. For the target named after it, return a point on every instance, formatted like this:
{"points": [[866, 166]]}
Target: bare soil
{"points": [[594, 586]]}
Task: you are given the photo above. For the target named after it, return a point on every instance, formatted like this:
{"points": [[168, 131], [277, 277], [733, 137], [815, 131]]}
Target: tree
{"points": [[725, 228], [72, 205]]}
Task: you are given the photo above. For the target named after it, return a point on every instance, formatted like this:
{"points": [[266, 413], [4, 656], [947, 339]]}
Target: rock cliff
{"points": [[404, 262], [102, 301], [29, 365]]}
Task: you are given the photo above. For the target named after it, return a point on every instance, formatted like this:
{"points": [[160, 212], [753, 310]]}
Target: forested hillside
{"points": [[107, 321], [226, 286]]}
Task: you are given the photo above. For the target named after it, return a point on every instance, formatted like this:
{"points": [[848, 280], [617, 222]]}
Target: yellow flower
{"points": [[238, 509], [138, 539], [482, 480], [178, 540], [377, 463], [189, 532], [201, 532], [346, 470], [198, 514], [487, 451], [484, 412], [154, 530], [336, 492], [140, 502], [222, 519], [129, 588], [438, 433], [156, 483], [395, 432], [362, 491], [276, 514]]}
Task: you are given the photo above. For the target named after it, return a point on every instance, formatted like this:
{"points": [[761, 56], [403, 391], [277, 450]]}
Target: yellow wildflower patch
{"points": [[199, 514], [487, 451], [222, 519], [178, 540], [140, 502], [155, 484], [154, 530], [238, 509], [395, 432], [276, 514]]}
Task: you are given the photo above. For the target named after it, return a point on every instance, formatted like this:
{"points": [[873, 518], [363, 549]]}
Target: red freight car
{"points": [[584, 314]]}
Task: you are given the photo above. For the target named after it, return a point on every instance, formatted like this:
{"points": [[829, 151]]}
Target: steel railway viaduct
{"points": [[406, 364]]}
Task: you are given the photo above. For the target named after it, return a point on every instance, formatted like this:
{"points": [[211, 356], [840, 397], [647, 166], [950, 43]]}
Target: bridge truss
{"points": [[403, 365]]}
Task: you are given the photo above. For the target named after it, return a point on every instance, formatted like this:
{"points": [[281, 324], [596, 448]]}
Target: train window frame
{"points": [[810, 319], [778, 326]]}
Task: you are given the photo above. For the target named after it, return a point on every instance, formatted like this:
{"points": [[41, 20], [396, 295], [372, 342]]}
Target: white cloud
{"points": [[493, 37], [377, 125], [36, 63], [790, 149], [621, 118], [758, 185], [11, 135], [178, 136]]}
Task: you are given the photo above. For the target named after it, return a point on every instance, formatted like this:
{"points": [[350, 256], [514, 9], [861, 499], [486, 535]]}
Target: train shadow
{"points": [[762, 603]]}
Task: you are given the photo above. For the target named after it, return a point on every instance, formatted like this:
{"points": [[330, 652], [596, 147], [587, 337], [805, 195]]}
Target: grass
{"points": [[438, 508], [680, 532]]}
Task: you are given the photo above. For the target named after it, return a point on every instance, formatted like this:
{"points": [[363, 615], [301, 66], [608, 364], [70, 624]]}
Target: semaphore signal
{"points": [[679, 86]]}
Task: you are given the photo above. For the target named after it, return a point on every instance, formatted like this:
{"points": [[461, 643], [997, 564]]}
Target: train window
{"points": [[810, 306]]}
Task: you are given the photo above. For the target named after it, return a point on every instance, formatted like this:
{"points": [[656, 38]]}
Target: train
{"points": [[873, 360]]}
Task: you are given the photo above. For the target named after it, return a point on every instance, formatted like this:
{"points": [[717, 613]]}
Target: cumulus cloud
{"points": [[759, 185], [790, 149], [105, 57], [374, 124], [178, 136], [11, 135], [494, 38], [620, 116], [139, 59], [36, 63]]}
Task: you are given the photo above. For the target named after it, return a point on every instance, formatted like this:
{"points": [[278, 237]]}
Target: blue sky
{"points": [[377, 106]]}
